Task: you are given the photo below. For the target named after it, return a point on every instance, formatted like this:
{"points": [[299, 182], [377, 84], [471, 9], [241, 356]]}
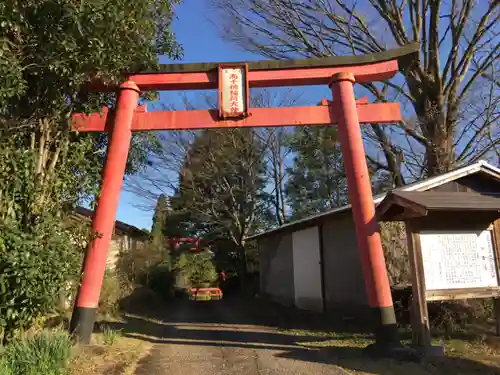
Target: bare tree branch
{"points": [[459, 48]]}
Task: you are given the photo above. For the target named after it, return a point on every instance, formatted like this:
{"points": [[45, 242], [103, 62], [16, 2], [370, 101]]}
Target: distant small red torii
{"points": [[175, 243]]}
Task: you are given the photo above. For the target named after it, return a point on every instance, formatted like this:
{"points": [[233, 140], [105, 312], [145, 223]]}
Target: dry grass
{"points": [[120, 358], [475, 357]]}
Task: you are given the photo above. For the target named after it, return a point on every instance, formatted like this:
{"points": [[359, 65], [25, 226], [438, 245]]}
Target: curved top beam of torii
{"points": [[365, 68], [378, 66]]}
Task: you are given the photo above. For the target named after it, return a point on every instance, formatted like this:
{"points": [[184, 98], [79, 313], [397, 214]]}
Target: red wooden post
{"points": [[87, 300], [363, 208]]}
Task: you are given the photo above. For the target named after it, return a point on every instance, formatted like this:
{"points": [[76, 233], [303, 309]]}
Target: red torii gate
{"points": [[195, 243], [340, 73]]}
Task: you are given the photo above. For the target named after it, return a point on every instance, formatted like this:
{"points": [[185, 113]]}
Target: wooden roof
{"points": [[400, 205], [120, 226]]}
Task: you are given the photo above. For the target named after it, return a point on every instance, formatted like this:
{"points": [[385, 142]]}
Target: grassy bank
{"points": [[110, 353], [471, 356], [46, 352], [51, 352]]}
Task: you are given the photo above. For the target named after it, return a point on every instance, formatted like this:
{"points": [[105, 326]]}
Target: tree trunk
{"points": [[242, 268], [439, 153], [281, 170], [277, 188], [440, 156]]}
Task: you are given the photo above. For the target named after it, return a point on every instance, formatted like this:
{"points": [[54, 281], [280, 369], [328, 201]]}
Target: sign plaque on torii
{"points": [[233, 81]]}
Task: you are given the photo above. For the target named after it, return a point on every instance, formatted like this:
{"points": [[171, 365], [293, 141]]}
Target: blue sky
{"points": [[201, 43]]}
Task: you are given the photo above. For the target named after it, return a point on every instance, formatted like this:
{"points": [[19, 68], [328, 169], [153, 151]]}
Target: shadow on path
{"points": [[253, 325], [218, 323], [241, 311]]}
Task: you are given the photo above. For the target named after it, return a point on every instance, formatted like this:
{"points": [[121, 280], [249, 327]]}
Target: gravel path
{"points": [[205, 338]]}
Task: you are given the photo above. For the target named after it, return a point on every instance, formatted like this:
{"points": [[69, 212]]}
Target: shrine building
{"points": [[313, 263]]}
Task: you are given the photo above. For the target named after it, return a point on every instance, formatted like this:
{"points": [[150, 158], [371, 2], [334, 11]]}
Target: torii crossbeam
{"points": [[233, 81]]}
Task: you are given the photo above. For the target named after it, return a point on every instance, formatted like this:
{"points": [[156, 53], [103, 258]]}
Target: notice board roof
{"points": [[399, 205]]}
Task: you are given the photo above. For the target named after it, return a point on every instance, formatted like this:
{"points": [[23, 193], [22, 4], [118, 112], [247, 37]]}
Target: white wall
{"points": [[307, 269]]}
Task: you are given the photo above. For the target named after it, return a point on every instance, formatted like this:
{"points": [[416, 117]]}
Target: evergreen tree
{"points": [[221, 189], [196, 270], [317, 180], [159, 219], [158, 240]]}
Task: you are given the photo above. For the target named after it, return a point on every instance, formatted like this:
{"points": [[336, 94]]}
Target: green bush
{"points": [[201, 298], [110, 336], [35, 266], [4, 365], [135, 263], [114, 289], [451, 317], [160, 280], [110, 295], [197, 270], [47, 352]]}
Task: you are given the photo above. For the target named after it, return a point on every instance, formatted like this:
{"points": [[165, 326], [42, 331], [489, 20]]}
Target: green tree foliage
{"points": [[222, 187], [222, 182], [159, 219], [40, 250], [158, 239], [35, 266], [150, 263], [196, 269], [159, 273], [316, 180], [49, 50], [51, 47], [56, 47], [29, 187]]}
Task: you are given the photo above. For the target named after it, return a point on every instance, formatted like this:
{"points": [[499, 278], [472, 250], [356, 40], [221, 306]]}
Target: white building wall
{"points": [[307, 269]]}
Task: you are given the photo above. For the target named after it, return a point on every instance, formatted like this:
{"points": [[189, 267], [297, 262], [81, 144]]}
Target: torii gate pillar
{"points": [[94, 265], [361, 198]]}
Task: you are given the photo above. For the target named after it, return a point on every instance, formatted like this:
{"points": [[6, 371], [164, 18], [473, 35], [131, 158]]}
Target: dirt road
{"points": [[206, 338]]}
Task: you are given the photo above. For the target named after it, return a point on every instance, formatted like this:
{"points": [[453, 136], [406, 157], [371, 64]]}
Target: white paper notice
{"points": [[458, 260], [233, 90]]}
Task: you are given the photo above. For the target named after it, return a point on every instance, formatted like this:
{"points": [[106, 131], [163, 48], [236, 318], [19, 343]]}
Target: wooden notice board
{"points": [[450, 264]]}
